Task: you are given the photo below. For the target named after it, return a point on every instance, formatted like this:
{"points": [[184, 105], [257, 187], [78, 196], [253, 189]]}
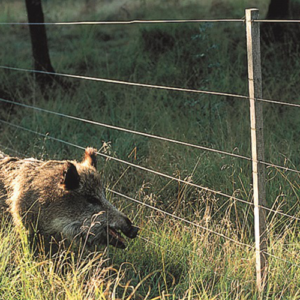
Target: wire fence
{"points": [[153, 136], [153, 208], [189, 183], [150, 86]]}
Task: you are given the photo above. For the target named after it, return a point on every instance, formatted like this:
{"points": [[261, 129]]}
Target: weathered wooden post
{"points": [[257, 144]]}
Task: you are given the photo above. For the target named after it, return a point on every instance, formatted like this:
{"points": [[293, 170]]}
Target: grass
{"points": [[171, 259]]}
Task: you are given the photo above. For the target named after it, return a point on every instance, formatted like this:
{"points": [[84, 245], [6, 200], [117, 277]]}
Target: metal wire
{"points": [[276, 21], [282, 259], [4, 148], [151, 171], [147, 135], [277, 102], [128, 163], [126, 130], [197, 225], [162, 211], [128, 83], [179, 218], [129, 22], [154, 136]]}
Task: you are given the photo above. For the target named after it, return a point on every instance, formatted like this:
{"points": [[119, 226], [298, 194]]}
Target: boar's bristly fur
{"points": [[61, 200]]}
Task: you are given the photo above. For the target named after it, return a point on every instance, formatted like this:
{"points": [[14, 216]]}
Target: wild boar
{"points": [[61, 200]]}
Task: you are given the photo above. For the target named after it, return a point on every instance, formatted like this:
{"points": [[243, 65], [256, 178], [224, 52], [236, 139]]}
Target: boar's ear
{"points": [[90, 157], [69, 178]]}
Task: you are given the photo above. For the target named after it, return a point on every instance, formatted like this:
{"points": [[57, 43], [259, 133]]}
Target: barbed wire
{"points": [[148, 135], [153, 171]]}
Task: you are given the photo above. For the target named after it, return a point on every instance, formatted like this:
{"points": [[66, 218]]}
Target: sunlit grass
{"points": [[169, 260]]}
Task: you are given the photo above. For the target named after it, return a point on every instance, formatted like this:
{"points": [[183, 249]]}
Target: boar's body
{"points": [[61, 200]]}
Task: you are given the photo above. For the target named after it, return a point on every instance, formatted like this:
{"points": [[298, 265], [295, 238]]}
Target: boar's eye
{"points": [[92, 200]]}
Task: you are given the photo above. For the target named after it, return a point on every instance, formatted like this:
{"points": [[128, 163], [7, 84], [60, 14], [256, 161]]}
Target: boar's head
{"points": [[78, 207]]}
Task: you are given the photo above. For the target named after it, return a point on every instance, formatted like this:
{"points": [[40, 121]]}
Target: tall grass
{"points": [[171, 259]]}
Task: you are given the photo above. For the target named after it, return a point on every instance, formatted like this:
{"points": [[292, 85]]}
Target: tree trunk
{"points": [[39, 41], [278, 9], [276, 32]]}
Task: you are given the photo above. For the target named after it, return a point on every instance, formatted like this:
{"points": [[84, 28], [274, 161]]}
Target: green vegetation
{"points": [[171, 259]]}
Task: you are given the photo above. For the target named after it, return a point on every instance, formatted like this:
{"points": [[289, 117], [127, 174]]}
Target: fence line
{"points": [[278, 102], [168, 88], [193, 252], [130, 164], [157, 245], [164, 212], [197, 225], [104, 80], [282, 259], [276, 21], [126, 130], [152, 171], [179, 218], [154, 208], [130, 22], [148, 135], [161, 87]]}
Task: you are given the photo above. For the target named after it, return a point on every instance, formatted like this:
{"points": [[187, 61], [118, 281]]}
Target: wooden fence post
{"points": [[257, 145]]}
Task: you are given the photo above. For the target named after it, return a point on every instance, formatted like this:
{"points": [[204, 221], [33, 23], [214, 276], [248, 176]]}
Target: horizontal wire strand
{"points": [[282, 259], [161, 87], [129, 22], [179, 218], [197, 225], [126, 130], [112, 81], [154, 208], [276, 21], [153, 171], [148, 135], [4, 148], [130, 164], [277, 102]]}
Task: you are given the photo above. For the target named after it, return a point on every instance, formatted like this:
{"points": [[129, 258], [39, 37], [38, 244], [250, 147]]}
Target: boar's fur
{"points": [[61, 200]]}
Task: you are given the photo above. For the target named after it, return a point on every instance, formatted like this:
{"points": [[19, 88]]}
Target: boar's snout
{"points": [[126, 227], [132, 232], [129, 230]]}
